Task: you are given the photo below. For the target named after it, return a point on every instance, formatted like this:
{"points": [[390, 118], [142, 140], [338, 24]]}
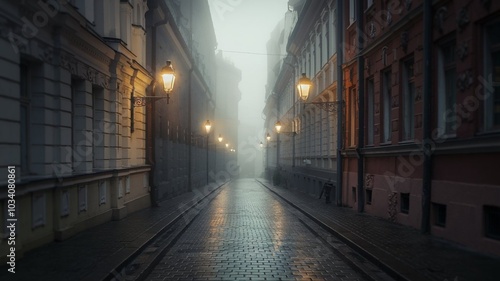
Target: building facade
{"points": [[419, 128], [182, 32], [84, 151], [304, 154], [67, 72]]}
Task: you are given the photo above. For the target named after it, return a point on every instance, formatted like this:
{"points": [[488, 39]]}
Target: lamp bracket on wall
{"points": [[141, 101], [332, 106]]}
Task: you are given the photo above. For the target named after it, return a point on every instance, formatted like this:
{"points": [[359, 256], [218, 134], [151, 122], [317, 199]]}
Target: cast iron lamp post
{"points": [[220, 138]]}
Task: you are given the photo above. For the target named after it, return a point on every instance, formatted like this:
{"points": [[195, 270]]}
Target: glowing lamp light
{"points": [[208, 126], [168, 76], [304, 86], [278, 126]]}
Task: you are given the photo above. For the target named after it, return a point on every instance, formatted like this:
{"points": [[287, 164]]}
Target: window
{"points": [[102, 192], [492, 65], [98, 133], [368, 197], [353, 117], [325, 41], [408, 110], [127, 185], [353, 189], [439, 211], [447, 74], [25, 82], [82, 198], [492, 222], [370, 103], [64, 203], [352, 11], [120, 188], [387, 102], [38, 209], [405, 203]]}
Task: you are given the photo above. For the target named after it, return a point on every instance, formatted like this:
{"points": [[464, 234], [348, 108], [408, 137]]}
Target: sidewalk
{"points": [[402, 250], [95, 253]]}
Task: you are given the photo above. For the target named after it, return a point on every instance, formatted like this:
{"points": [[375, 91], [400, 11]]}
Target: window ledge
{"points": [[407, 142]]}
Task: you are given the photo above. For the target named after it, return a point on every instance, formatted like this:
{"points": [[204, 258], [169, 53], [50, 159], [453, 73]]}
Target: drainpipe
{"points": [[426, 176], [361, 107], [340, 85], [150, 109]]}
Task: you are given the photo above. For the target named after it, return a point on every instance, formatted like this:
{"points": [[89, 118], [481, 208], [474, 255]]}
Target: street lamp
{"points": [[278, 126], [268, 137], [168, 76], [304, 86], [220, 138], [208, 126]]}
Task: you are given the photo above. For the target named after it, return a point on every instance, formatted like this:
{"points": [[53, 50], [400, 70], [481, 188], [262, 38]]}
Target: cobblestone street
{"points": [[246, 233]]}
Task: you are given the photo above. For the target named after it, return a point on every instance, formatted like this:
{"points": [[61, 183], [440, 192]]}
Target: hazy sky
{"points": [[245, 26]]}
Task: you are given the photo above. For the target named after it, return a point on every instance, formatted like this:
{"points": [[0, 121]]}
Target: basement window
{"points": [[405, 203], [368, 197], [492, 222], [439, 215]]}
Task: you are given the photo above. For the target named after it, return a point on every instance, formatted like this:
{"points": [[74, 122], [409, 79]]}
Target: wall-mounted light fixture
{"points": [[168, 78], [304, 86]]}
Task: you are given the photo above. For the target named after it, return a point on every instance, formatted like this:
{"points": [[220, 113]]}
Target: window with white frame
{"points": [[370, 104], [332, 47], [408, 112], [64, 203], [492, 69], [313, 59], [352, 11], [82, 198], [325, 41], [447, 80], [38, 209], [102, 192], [387, 102]]}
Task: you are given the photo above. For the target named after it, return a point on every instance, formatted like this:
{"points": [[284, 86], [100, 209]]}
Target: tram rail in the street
{"points": [[147, 258]]}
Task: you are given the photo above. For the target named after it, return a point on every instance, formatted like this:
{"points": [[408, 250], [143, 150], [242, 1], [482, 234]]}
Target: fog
{"points": [[242, 29]]}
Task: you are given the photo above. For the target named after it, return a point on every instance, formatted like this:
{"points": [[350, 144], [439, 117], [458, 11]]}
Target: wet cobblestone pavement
{"points": [[246, 233]]}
